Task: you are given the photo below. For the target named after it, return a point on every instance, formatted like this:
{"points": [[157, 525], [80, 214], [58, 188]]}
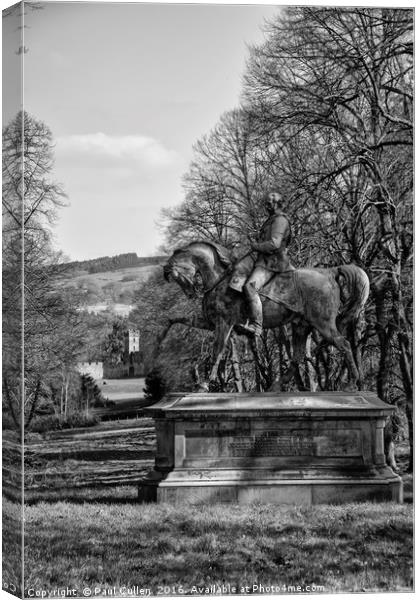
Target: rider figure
{"points": [[272, 258]]}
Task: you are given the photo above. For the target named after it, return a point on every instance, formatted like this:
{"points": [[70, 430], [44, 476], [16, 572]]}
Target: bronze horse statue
{"points": [[325, 299]]}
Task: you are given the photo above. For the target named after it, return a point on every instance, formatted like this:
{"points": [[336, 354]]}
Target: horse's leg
{"points": [[222, 374], [196, 321], [253, 341], [389, 446], [309, 365], [285, 342], [222, 335], [342, 344], [262, 375], [300, 332], [332, 336], [235, 364], [277, 379]]}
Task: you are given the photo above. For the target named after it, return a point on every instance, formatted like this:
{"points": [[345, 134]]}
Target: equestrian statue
{"points": [[263, 290]]}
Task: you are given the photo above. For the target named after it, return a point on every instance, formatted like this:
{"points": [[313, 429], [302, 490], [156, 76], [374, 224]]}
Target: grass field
{"points": [[127, 278], [119, 388], [354, 547]]}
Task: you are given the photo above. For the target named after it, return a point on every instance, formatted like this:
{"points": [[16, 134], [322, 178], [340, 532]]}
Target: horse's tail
{"points": [[354, 291]]}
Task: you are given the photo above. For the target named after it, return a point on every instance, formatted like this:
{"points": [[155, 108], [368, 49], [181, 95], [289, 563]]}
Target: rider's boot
{"points": [[251, 327]]}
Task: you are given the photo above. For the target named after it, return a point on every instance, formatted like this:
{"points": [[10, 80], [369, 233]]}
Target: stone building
{"points": [[131, 364], [94, 369]]}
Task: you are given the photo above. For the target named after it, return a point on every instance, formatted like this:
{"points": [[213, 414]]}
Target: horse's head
{"points": [[197, 267], [182, 269]]}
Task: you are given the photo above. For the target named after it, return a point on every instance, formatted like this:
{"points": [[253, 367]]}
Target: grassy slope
{"points": [[107, 287], [127, 277], [353, 547], [139, 273]]}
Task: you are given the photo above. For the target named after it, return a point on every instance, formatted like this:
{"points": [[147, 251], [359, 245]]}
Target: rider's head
{"points": [[272, 201]]}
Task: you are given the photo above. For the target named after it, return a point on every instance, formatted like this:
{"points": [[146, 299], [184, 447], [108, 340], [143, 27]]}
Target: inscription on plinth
{"points": [[272, 443]]}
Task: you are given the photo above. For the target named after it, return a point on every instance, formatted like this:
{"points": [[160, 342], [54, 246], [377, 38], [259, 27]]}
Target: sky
{"points": [[126, 90]]}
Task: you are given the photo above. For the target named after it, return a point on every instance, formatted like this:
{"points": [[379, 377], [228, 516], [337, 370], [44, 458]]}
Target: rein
{"points": [[216, 283], [228, 272], [230, 269]]}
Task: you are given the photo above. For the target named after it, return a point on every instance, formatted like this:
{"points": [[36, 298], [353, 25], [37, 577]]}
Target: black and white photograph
{"points": [[208, 299]]}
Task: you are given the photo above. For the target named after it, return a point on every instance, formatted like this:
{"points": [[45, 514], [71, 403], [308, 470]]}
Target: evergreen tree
{"points": [[155, 385]]}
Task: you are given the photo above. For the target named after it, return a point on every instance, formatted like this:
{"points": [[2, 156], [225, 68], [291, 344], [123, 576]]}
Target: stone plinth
{"points": [[283, 448]]}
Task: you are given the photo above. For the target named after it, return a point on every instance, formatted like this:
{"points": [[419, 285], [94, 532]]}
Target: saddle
{"points": [[281, 288]]}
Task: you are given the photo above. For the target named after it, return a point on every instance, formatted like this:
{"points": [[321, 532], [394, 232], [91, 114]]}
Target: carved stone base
{"points": [[278, 448]]}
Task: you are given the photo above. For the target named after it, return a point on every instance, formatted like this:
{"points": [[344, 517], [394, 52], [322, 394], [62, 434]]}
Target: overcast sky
{"points": [[126, 90]]}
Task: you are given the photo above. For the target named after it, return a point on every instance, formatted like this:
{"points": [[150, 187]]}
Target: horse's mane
{"points": [[223, 253]]}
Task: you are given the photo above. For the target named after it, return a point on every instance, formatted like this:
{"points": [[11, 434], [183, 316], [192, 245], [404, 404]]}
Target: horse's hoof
{"points": [[214, 387], [275, 387], [351, 387], [250, 332], [203, 387]]}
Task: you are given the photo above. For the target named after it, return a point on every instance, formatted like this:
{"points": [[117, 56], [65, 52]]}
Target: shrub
{"points": [[155, 385], [80, 420], [8, 422], [57, 422]]}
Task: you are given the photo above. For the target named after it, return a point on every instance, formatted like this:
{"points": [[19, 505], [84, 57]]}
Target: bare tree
{"points": [[343, 79], [40, 324]]}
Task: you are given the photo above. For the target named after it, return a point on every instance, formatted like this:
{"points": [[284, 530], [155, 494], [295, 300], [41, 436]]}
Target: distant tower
{"points": [[131, 341], [131, 364]]}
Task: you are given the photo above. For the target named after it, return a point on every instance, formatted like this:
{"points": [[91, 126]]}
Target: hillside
{"points": [[102, 284], [114, 263]]}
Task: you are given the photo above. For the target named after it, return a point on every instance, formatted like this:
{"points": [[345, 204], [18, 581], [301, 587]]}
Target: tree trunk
{"points": [[406, 367], [66, 387], [385, 329], [34, 403], [9, 400], [62, 396]]}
